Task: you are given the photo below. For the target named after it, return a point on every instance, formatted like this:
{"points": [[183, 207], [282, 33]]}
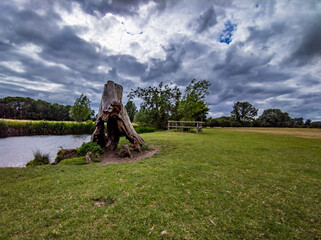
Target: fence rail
{"points": [[181, 124]]}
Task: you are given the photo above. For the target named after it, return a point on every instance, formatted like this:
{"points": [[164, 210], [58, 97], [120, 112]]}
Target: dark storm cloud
{"points": [[238, 62], [21, 26], [309, 47], [206, 20], [170, 69], [261, 36], [113, 73], [171, 64], [304, 104], [194, 49], [4, 47], [121, 7], [126, 64], [14, 90]]}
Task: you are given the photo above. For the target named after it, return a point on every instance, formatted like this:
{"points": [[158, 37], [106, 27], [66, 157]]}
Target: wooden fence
{"points": [[185, 124]]}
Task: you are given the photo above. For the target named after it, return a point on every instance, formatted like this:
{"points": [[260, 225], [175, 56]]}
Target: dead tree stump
{"points": [[118, 123]]}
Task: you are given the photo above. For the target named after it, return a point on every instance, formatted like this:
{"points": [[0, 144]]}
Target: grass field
{"points": [[297, 132], [220, 184]]}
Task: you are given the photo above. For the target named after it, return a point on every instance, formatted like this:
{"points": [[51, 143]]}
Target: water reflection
{"points": [[17, 151]]}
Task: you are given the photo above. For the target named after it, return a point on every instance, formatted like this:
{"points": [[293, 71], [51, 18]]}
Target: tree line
{"points": [[159, 104], [30, 109], [244, 113], [162, 103]]}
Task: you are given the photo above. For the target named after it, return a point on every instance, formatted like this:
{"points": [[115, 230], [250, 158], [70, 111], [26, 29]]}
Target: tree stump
{"points": [[118, 123]]}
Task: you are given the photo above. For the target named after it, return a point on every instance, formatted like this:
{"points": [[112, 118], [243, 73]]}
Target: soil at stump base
{"points": [[110, 157]]}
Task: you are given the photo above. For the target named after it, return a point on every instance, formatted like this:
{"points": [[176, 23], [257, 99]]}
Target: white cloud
{"points": [[38, 85], [14, 66]]}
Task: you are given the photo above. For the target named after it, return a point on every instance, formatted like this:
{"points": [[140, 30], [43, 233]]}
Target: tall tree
{"points": [[243, 113], [159, 103], [193, 105], [131, 110], [80, 111], [275, 118]]}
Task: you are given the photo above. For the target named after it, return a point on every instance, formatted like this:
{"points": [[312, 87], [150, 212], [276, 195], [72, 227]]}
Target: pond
{"points": [[17, 151]]}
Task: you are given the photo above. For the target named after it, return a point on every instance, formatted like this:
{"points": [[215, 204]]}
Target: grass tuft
{"points": [[39, 159]]}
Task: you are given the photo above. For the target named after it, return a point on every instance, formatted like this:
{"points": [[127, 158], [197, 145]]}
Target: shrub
{"points": [[89, 147], [39, 159], [144, 129], [144, 147], [236, 124], [256, 123]]}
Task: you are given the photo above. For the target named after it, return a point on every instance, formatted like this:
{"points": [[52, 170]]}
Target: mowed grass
{"points": [[298, 132], [220, 184]]}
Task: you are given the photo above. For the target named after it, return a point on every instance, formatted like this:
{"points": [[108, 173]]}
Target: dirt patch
{"points": [[297, 132], [111, 157], [101, 202]]}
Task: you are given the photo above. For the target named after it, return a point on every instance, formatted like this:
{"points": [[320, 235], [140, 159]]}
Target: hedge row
{"points": [[28, 128]]}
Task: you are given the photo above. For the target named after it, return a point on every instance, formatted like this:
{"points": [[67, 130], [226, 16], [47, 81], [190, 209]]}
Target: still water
{"points": [[17, 151]]}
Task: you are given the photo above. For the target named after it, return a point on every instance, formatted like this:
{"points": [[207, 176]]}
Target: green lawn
{"points": [[220, 184]]}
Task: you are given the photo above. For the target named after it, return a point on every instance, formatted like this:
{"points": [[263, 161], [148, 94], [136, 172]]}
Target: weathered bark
{"points": [[118, 123]]}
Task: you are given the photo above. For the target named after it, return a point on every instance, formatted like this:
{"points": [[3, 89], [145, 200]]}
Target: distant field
{"points": [[297, 132], [219, 184]]}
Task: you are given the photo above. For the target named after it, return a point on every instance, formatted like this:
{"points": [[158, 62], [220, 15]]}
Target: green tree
{"points": [[243, 113], [142, 117], [308, 122], [212, 122], [159, 104], [275, 118], [80, 111], [193, 106], [299, 121], [131, 110], [224, 121]]}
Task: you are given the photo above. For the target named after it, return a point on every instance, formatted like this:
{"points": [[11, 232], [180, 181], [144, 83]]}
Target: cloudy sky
{"points": [[265, 52]]}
